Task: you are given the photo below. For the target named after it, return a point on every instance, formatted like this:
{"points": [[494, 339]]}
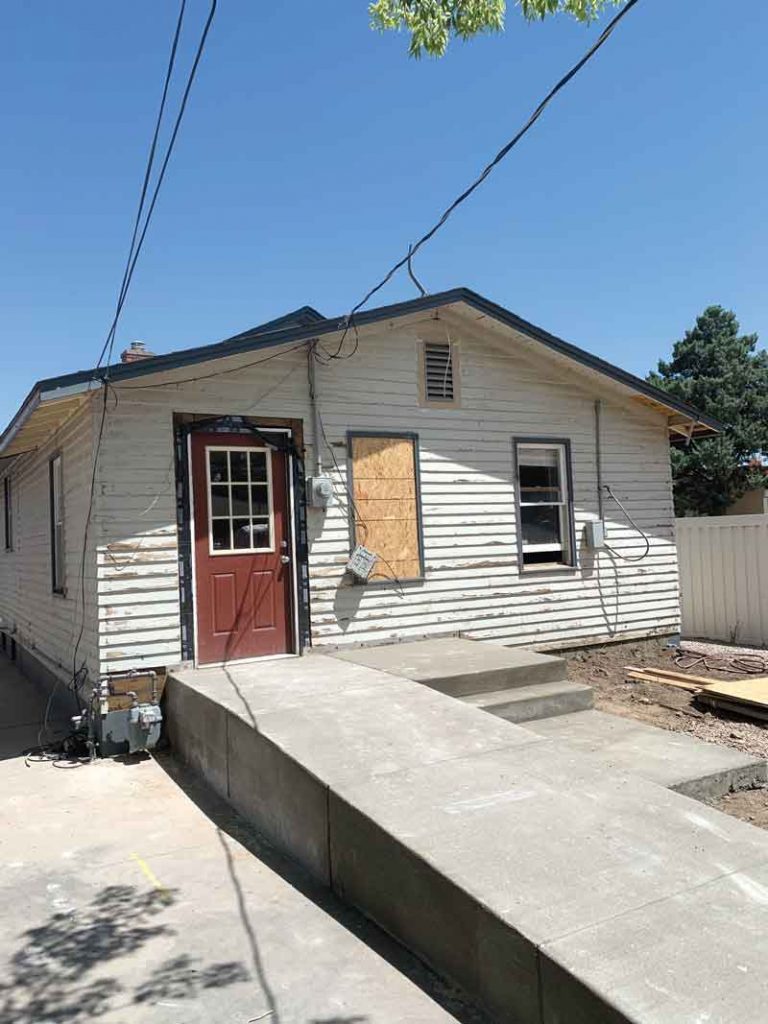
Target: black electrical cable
{"points": [[136, 247], [168, 153], [108, 343], [207, 376], [502, 153]]}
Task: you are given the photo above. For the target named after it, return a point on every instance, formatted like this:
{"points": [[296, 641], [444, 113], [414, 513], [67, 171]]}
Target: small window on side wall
{"points": [[386, 511], [56, 491], [8, 513], [545, 530]]}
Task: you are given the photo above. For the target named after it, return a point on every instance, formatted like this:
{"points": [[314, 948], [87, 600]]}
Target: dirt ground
{"points": [[668, 707]]}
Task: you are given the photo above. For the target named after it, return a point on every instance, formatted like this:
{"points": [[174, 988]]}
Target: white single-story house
{"points": [[465, 449]]}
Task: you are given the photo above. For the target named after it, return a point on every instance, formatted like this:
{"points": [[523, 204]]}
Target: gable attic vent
{"points": [[438, 372]]}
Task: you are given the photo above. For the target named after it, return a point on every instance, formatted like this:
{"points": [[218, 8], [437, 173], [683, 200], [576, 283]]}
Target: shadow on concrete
{"points": [[228, 822], [250, 932], [338, 1020], [60, 972]]}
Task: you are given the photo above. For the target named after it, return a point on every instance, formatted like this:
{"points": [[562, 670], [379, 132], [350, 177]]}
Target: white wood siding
{"points": [[724, 578], [473, 583], [47, 624], [135, 515]]}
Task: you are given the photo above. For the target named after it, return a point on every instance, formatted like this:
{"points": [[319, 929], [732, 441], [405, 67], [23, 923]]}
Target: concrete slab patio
{"points": [[495, 854], [129, 899]]}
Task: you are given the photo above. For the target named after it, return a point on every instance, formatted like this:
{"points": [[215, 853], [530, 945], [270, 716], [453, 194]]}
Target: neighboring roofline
{"points": [[313, 325]]}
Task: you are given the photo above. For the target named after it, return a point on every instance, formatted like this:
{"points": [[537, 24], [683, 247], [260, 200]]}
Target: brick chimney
{"points": [[136, 350]]}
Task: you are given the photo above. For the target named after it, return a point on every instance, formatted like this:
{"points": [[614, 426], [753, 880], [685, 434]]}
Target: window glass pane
{"points": [[240, 499], [239, 465], [241, 533], [541, 525], [220, 500], [539, 470], [260, 499], [258, 466], [260, 533], [220, 534], [219, 466], [240, 508]]}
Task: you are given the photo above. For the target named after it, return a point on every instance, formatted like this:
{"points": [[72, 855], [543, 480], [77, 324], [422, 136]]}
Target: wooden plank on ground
{"points": [[753, 692], [679, 674], [650, 676]]}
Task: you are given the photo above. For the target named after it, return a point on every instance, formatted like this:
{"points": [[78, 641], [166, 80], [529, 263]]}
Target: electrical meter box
{"points": [[361, 562], [320, 492], [595, 534]]}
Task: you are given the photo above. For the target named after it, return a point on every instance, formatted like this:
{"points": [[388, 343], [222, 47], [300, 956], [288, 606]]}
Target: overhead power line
{"points": [[406, 260], [108, 343], [137, 242]]}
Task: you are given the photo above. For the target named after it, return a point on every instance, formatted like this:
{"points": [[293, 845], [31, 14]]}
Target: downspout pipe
{"points": [[599, 459], [317, 432]]}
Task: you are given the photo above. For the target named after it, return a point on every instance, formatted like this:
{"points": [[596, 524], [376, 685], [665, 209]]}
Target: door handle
{"points": [[285, 559]]}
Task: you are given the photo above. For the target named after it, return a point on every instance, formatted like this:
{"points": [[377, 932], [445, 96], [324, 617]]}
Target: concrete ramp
{"points": [[553, 890]]}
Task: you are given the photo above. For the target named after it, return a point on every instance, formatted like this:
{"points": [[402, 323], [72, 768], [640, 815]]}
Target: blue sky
{"points": [[314, 149]]}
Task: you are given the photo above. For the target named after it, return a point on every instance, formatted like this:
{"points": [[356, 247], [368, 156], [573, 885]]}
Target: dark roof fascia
{"points": [[249, 341], [262, 337], [592, 362]]}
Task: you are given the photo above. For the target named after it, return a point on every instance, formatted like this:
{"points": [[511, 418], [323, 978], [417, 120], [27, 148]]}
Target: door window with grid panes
{"points": [[239, 500]]}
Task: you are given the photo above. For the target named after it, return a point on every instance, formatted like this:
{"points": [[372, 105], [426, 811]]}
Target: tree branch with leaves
{"points": [[432, 24]]}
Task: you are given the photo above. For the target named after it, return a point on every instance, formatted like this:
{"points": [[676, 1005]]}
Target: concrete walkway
{"points": [[688, 765], [550, 888], [129, 899]]}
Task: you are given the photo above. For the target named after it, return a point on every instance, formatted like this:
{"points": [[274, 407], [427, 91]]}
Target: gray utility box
{"points": [[320, 492]]}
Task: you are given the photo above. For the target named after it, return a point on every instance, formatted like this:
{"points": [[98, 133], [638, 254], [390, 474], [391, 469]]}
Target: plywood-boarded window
{"points": [[386, 510]]}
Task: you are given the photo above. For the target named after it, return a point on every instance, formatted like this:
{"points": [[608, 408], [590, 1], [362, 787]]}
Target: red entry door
{"points": [[242, 548]]}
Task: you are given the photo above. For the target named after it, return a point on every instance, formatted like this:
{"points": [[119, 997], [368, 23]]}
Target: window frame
{"points": [[58, 549], [8, 512], [408, 435], [438, 403], [564, 444]]}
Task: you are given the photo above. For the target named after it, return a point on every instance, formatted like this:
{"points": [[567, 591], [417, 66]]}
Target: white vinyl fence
{"points": [[724, 578]]}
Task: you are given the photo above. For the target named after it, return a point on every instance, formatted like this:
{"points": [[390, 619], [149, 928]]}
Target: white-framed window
{"points": [[8, 513], [240, 513], [56, 492], [544, 504]]}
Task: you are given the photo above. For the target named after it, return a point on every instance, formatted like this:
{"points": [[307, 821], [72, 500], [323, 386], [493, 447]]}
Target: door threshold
{"points": [[246, 661]]}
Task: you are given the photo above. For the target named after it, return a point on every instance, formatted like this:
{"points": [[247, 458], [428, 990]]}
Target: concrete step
{"points": [[460, 667], [539, 700]]}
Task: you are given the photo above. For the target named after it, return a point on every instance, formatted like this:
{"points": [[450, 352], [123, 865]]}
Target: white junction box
{"points": [[595, 534]]}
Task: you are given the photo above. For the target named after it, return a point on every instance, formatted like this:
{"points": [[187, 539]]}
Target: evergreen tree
{"points": [[725, 375]]}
